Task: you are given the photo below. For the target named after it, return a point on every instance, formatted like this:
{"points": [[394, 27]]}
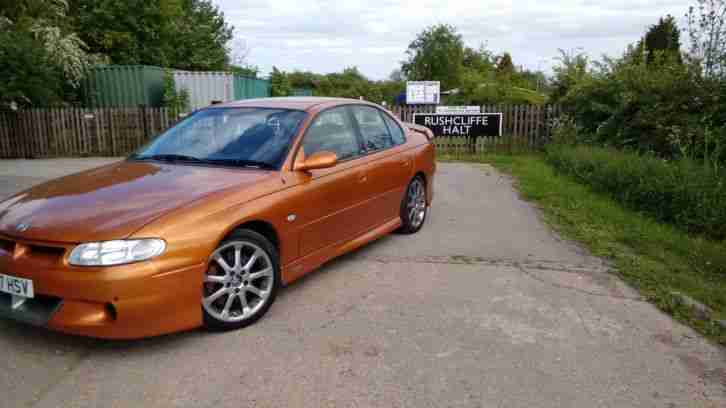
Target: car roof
{"points": [[288, 102]]}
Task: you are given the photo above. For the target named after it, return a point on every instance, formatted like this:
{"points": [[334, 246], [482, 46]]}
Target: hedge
{"points": [[683, 193]]}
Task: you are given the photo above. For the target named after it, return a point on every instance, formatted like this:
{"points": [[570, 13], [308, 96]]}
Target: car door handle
{"points": [[405, 163], [362, 178]]}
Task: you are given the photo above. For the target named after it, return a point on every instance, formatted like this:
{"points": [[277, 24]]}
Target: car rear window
{"points": [[373, 128], [396, 132]]}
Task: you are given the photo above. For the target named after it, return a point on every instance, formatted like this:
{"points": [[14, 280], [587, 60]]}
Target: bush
{"points": [[565, 131], [178, 102], [627, 103], [688, 195], [28, 74]]}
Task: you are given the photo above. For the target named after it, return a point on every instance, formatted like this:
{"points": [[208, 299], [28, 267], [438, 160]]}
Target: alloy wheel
{"points": [[238, 282], [416, 203]]}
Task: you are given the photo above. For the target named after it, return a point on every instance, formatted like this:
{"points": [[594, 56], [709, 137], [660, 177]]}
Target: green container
{"points": [[260, 88], [248, 88], [121, 86], [302, 92]]}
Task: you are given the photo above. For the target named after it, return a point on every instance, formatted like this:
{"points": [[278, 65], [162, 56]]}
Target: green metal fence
{"points": [[248, 88], [113, 86], [123, 86]]}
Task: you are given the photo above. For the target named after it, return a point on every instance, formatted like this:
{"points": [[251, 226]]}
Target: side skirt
{"points": [[306, 264]]}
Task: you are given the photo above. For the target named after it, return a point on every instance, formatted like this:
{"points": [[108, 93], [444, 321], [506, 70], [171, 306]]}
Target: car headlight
{"points": [[116, 252]]}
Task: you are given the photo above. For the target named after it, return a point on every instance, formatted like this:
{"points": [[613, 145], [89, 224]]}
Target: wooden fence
{"points": [[524, 127], [36, 133]]}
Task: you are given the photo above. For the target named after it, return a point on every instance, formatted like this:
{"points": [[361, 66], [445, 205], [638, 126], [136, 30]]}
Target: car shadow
{"points": [[33, 339], [16, 335]]}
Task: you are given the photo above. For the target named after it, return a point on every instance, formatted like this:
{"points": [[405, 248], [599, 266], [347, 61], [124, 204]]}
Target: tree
{"points": [[249, 71], [528, 79], [436, 54], [665, 38], [183, 34], [44, 26], [202, 38], [25, 13], [707, 32], [572, 70], [480, 60], [28, 75], [390, 90], [304, 79], [349, 83], [505, 66], [279, 83]]}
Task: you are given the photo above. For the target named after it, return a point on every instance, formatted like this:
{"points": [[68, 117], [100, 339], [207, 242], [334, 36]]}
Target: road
{"points": [[485, 307]]}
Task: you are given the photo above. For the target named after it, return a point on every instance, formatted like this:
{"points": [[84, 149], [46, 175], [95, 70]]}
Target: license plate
{"points": [[16, 286]]}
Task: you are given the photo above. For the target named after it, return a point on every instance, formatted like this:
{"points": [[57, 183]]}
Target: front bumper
{"points": [[123, 302]]}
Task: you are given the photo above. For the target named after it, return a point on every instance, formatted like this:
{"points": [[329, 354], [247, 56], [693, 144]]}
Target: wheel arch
{"points": [[264, 228]]}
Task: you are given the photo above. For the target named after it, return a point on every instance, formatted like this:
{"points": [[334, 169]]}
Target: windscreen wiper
{"points": [[171, 158], [244, 163], [191, 159]]}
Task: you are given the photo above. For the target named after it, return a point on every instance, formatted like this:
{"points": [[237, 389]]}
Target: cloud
{"points": [[327, 36]]}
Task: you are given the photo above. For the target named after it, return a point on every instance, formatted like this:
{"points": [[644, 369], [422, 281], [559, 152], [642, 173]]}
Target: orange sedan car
{"points": [[205, 223]]}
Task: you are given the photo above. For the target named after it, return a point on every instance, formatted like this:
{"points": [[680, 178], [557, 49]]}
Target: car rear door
{"points": [[389, 166]]}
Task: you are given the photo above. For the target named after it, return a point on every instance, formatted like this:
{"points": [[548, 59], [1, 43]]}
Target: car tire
{"points": [[413, 207], [237, 290]]}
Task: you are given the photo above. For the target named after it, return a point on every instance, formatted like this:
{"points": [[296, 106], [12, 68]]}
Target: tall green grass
{"points": [[687, 195]]}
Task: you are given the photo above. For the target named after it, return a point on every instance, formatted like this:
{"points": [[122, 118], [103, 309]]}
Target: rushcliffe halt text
{"points": [[456, 125]]}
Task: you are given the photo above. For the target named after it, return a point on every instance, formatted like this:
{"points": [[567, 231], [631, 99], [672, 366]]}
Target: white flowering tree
{"points": [[40, 56]]}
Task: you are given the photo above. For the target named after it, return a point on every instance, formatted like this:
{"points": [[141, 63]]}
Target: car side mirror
{"points": [[319, 160]]}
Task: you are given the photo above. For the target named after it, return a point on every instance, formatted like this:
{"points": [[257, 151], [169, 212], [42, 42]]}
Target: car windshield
{"points": [[254, 137]]}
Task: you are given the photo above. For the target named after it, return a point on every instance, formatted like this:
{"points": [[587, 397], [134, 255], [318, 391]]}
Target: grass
{"points": [[656, 259], [682, 193]]}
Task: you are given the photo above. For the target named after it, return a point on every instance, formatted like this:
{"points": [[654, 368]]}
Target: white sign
{"points": [[458, 110], [423, 92]]}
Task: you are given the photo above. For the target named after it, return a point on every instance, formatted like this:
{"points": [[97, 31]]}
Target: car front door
{"points": [[333, 197]]}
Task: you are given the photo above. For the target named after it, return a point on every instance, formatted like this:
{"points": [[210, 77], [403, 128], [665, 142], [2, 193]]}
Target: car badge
{"points": [[22, 227]]}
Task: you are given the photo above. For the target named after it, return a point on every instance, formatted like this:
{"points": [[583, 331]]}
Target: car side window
{"points": [[332, 131], [373, 129], [395, 129]]}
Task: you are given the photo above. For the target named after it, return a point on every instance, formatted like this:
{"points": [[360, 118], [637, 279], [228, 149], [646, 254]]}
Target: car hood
{"points": [[113, 201]]}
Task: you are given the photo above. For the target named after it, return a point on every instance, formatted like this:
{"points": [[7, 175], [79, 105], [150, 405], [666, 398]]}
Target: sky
{"points": [[327, 36]]}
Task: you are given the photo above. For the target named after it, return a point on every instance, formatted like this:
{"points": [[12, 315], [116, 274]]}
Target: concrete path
{"points": [[485, 307]]}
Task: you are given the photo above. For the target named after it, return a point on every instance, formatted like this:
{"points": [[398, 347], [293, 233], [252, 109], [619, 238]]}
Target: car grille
{"points": [[7, 245], [35, 251], [36, 311], [47, 252]]}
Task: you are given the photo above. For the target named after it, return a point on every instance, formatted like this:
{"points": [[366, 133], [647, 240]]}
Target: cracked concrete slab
{"points": [[485, 307]]}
